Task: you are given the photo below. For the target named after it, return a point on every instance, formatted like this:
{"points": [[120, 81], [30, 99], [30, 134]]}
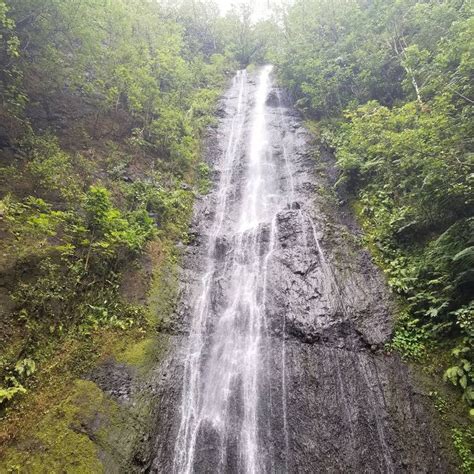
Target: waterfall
{"points": [[276, 367], [224, 352]]}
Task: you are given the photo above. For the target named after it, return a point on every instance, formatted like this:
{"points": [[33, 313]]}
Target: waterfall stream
{"points": [[224, 361], [278, 366]]}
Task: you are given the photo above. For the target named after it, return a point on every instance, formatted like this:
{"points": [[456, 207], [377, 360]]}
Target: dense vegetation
{"points": [[391, 86], [103, 106]]}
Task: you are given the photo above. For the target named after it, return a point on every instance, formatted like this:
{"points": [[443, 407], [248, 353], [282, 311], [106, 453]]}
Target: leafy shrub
{"points": [[51, 167], [15, 378], [410, 338], [89, 244], [462, 373], [415, 206], [463, 441], [111, 231], [204, 183]]}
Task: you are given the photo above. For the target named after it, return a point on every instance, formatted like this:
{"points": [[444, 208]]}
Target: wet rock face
{"points": [[322, 302], [324, 397], [114, 379]]}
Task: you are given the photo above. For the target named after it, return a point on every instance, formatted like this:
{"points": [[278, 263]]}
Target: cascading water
{"points": [[284, 318], [224, 355]]}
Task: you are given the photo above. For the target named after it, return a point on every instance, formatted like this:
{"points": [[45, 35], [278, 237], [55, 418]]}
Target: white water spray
{"points": [[224, 365]]}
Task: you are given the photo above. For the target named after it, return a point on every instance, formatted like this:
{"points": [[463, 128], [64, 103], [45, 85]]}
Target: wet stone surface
{"points": [[277, 362], [114, 379]]}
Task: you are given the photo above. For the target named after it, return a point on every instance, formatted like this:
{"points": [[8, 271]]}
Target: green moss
{"points": [[144, 354], [62, 440], [84, 430], [82, 434], [163, 292], [138, 353]]}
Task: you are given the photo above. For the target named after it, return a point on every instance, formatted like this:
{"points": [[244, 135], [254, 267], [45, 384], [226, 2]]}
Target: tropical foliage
{"points": [[391, 85], [103, 107]]}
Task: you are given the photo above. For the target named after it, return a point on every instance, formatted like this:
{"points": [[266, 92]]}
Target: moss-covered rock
{"points": [[64, 439], [144, 354]]}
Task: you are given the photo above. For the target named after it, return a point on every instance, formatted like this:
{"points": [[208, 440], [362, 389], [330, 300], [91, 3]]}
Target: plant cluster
{"points": [[391, 85], [103, 107]]}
